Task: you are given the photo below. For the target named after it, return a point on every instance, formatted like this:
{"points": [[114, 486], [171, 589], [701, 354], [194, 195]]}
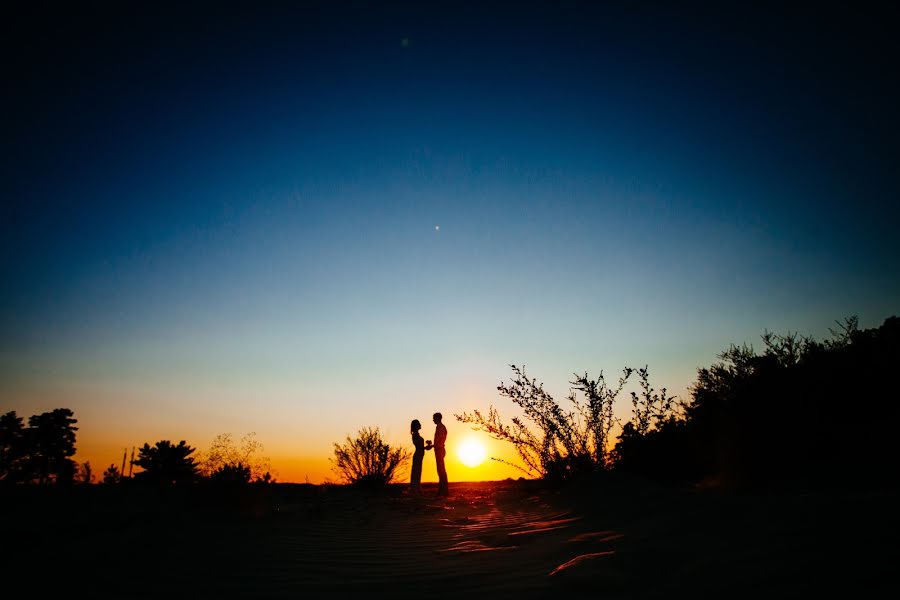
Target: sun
{"points": [[471, 453]]}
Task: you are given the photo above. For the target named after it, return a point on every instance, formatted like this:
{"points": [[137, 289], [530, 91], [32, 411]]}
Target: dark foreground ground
{"points": [[513, 539]]}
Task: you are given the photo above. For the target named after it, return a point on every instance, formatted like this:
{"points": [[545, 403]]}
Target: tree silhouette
{"points": [[51, 441], [368, 460], [166, 464], [13, 448], [111, 475], [85, 473], [227, 461]]}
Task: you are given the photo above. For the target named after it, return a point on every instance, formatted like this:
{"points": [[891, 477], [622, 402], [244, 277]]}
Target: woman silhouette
{"points": [[415, 480]]}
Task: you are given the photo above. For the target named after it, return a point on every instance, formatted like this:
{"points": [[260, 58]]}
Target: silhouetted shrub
{"points": [[224, 453], [368, 460], [231, 474], [663, 453], [801, 411], [652, 443], [561, 445]]}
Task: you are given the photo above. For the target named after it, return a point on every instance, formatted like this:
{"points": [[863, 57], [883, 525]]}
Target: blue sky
{"points": [[226, 217]]}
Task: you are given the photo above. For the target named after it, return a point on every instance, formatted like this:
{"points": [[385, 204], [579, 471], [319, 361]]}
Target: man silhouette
{"points": [[440, 438]]}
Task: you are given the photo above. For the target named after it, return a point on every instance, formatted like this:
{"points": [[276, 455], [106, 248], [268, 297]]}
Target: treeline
{"points": [[226, 463], [40, 453], [800, 411]]}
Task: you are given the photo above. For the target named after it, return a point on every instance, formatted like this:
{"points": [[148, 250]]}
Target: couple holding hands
{"points": [[421, 445]]}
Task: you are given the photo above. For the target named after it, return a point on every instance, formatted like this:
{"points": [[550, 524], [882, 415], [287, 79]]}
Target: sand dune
{"points": [[497, 539]]}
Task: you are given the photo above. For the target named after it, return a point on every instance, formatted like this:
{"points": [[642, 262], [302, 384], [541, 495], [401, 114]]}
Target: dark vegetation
{"points": [[227, 462], [800, 412], [367, 460], [797, 412], [165, 463], [41, 452]]}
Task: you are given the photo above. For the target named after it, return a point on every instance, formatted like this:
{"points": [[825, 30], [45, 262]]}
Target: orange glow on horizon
{"points": [[470, 461]]}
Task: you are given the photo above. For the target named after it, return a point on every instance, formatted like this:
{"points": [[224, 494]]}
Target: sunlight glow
{"points": [[471, 453]]}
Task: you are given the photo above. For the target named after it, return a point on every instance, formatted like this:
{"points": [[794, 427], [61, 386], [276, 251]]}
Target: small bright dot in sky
{"points": [[437, 227]]}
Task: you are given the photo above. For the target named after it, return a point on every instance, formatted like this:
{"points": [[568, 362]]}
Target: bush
{"points": [[561, 445], [802, 410], [231, 474], [368, 460], [227, 461]]}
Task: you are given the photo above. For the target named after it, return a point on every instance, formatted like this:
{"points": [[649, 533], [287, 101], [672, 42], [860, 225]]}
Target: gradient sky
{"points": [[225, 219]]}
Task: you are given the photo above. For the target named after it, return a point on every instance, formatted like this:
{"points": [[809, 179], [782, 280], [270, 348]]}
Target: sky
{"points": [[303, 219]]}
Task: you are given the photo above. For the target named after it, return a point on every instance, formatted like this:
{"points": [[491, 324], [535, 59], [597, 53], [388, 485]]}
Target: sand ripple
{"points": [[480, 538]]}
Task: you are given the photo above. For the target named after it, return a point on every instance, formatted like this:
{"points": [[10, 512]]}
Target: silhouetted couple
{"points": [[440, 439]]}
